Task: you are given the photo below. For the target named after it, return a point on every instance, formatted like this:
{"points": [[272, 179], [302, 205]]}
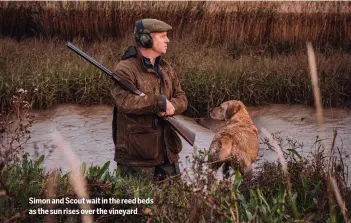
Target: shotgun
{"points": [[186, 133]]}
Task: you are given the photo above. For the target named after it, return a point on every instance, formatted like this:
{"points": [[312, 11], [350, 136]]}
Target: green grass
{"points": [[208, 75], [262, 195]]}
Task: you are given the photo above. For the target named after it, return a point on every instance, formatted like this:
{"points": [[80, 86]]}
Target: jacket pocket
{"points": [[143, 142]]}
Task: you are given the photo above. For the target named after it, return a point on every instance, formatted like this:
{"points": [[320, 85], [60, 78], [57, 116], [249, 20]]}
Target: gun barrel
{"points": [[122, 82], [186, 133], [89, 58]]}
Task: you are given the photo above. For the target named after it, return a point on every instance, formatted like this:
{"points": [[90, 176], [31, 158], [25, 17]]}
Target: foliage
{"points": [[63, 77]]}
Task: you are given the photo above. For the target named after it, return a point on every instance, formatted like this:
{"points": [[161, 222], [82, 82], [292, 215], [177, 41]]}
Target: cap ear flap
{"points": [[230, 111]]}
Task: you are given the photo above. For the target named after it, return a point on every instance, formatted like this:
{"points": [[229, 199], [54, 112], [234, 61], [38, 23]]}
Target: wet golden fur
{"points": [[236, 144]]}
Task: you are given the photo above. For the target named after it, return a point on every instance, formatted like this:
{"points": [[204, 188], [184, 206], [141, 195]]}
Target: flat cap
{"points": [[154, 25]]}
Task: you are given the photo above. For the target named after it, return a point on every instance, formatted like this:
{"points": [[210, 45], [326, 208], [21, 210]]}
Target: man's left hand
{"points": [[170, 110]]}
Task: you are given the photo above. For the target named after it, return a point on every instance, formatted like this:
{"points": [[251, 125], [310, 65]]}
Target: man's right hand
{"points": [[169, 109]]}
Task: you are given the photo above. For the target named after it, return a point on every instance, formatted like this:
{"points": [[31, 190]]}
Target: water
{"points": [[87, 130]]}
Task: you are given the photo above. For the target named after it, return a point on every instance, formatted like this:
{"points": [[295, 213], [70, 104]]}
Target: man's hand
{"points": [[169, 109]]}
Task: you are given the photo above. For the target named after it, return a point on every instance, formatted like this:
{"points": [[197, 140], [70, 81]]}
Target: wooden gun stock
{"points": [[186, 133]]}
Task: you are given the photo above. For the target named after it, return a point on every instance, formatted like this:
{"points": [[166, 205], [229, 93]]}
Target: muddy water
{"points": [[88, 132]]}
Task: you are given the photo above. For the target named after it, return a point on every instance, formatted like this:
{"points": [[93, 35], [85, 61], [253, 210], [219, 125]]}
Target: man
{"points": [[145, 145]]}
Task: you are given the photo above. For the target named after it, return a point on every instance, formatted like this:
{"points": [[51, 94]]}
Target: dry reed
{"points": [[331, 183], [338, 197], [316, 91], [76, 176], [273, 26]]}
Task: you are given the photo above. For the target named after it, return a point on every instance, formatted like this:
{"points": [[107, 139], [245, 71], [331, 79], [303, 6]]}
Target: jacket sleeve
{"points": [[178, 99], [131, 103]]}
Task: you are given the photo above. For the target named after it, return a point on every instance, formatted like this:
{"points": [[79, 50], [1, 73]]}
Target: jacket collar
{"points": [[147, 63], [132, 51]]}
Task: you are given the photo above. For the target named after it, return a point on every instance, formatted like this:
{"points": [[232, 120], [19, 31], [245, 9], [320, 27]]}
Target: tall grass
{"points": [[208, 76], [331, 183], [258, 197], [271, 27], [76, 176]]}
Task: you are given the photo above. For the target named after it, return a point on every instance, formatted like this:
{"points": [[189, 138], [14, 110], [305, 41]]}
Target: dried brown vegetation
{"points": [[264, 26], [14, 128]]}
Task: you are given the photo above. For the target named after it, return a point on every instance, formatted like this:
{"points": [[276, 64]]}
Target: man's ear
{"points": [[230, 111]]}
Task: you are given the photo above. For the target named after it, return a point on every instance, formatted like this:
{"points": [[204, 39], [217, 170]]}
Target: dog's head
{"points": [[226, 110]]}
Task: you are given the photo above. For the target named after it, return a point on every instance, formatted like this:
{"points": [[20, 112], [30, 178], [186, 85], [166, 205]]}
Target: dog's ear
{"points": [[230, 111]]}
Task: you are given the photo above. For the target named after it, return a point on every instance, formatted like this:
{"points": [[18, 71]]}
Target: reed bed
{"points": [[272, 27], [260, 197], [208, 76]]}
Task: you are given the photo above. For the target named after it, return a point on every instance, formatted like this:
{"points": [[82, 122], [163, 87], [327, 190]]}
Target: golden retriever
{"points": [[235, 144]]}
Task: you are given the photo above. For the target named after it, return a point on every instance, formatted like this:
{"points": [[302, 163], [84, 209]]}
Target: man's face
{"points": [[160, 42]]}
